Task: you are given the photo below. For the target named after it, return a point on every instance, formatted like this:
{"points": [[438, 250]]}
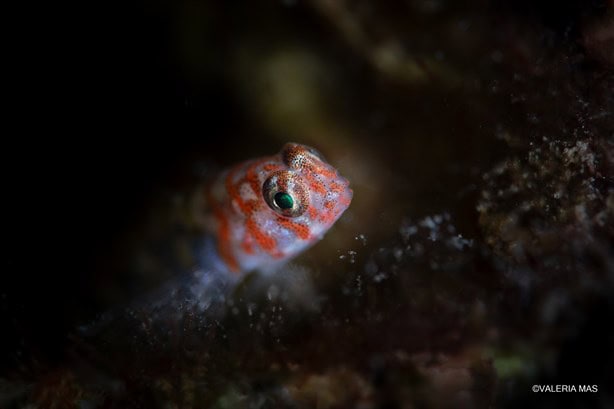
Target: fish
{"points": [[268, 210], [257, 215]]}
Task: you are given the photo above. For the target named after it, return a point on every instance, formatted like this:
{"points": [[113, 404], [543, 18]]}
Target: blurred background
{"points": [[475, 261]]}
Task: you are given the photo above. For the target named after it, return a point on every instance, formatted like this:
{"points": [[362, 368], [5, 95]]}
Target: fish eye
{"points": [[285, 194], [283, 200]]}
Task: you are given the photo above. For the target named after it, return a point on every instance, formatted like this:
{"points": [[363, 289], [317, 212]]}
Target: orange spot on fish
{"points": [[300, 230]]}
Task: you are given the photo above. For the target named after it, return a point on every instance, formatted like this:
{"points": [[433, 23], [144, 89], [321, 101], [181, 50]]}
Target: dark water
{"points": [[474, 262]]}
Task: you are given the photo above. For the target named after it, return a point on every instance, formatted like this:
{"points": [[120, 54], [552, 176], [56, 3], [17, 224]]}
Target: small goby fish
{"points": [[268, 210], [259, 214]]}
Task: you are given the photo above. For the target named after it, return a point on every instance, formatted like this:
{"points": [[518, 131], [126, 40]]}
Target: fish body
{"points": [[267, 210]]}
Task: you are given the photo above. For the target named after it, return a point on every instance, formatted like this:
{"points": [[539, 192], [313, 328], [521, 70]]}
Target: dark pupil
{"points": [[283, 200]]}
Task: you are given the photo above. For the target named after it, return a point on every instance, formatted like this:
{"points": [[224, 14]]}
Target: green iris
{"points": [[283, 200]]}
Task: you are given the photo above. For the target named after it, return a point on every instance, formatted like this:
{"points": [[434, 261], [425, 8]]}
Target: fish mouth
{"points": [[348, 193], [344, 182]]}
